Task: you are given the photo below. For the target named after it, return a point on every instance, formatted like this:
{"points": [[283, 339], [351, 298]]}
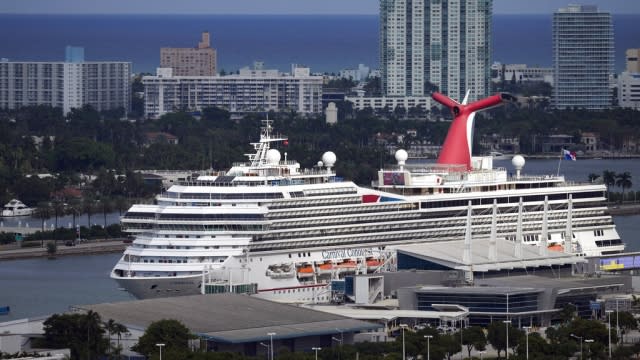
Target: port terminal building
{"points": [[492, 281]]}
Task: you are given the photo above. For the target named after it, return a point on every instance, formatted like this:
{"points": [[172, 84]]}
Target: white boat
{"points": [[496, 155], [290, 231], [16, 208]]}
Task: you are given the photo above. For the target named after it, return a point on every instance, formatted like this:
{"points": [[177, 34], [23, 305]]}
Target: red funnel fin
{"points": [[456, 147]]}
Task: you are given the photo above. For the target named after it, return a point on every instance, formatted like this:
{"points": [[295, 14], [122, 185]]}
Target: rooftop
{"points": [[450, 254], [230, 318]]}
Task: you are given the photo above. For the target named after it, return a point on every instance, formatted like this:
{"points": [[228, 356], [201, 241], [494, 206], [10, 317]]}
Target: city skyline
{"points": [[366, 7]]}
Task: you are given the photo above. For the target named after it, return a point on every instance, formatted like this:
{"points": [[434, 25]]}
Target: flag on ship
{"points": [[569, 155]]}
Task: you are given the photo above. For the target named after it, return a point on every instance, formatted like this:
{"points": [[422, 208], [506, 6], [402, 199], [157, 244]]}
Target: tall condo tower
{"points": [[583, 57], [446, 43]]}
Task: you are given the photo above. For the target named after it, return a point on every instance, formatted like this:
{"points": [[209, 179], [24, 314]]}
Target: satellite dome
{"points": [[518, 162], [401, 156], [329, 158], [273, 157]]}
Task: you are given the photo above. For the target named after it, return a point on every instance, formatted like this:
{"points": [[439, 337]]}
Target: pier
{"points": [[15, 252]]}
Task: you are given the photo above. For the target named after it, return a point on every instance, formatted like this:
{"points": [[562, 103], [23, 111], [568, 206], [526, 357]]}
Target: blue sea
{"points": [[326, 43]]}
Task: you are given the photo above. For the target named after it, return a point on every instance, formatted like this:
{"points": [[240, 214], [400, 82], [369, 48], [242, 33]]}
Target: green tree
{"points": [[172, 333], [81, 333], [627, 322], [450, 343], [609, 179], [497, 336], [51, 249], [623, 180], [473, 337]]}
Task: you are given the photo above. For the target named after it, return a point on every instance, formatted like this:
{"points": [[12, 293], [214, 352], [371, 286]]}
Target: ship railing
{"points": [[248, 164]]}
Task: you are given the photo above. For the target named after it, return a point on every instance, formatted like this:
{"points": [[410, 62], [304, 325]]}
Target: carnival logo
{"points": [[346, 253]]}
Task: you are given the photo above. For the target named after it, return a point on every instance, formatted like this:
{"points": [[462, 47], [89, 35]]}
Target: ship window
{"points": [[308, 254], [289, 256]]}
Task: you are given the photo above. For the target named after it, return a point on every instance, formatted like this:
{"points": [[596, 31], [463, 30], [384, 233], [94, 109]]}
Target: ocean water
{"points": [[326, 43]]}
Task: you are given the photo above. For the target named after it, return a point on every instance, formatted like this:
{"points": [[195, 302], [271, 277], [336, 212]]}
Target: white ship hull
{"points": [[149, 288]]}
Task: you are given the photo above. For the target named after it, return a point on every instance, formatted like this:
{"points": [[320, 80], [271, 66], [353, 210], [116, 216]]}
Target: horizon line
{"points": [[255, 14]]}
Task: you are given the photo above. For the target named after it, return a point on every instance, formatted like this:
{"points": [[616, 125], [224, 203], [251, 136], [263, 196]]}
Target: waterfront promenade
{"points": [[14, 251]]}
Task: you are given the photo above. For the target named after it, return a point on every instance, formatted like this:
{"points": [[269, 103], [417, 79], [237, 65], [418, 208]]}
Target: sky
{"points": [[275, 6]]}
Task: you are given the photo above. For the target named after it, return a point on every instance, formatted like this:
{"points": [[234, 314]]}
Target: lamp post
{"points": [[267, 346], [579, 338], [271, 335], [404, 355], [506, 325], [481, 353], [589, 341], [617, 321], [526, 334], [608, 312], [428, 337], [316, 349], [160, 345]]}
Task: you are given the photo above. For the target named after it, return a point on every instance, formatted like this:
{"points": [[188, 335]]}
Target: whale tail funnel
{"points": [[457, 147]]}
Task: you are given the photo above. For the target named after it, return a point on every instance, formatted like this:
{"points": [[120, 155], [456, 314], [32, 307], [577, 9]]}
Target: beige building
{"points": [[633, 64], [198, 61]]}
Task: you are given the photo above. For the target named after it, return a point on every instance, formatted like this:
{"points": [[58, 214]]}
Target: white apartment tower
{"points": [[446, 43], [583, 58], [105, 85], [629, 82]]}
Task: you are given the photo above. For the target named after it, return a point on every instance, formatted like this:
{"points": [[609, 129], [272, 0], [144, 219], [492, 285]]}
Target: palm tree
{"points": [[87, 208], [58, 210], [593, 177], [107, 207], [119, 329], [623, 180], [609, 179]]}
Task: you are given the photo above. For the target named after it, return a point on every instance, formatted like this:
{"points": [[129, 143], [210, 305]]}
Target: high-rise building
{"points": [[251, 90], [583, 58], [105, 85], [446, 43], [629, 82], [198, 61]]}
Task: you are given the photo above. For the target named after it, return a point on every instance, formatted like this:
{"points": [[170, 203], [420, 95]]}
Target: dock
{"points": [[14, 252]]}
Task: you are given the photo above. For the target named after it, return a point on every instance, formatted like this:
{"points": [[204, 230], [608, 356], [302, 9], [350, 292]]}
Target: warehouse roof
{"points": [[230, 318], [451, 254]]}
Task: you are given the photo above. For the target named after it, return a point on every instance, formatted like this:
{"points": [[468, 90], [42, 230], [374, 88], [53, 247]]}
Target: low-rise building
{"points": [[521, 73], [251, 90], [590, 141]]}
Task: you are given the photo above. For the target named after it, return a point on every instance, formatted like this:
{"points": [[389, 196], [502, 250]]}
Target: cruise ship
{"points": [[286, 232]]}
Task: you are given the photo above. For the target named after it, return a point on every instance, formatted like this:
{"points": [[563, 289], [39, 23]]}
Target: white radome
{"points": [[401, 155], [273, 156], [518, 162], [329, 158]]}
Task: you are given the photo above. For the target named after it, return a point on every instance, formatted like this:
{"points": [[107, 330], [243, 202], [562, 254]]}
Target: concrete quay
{"points": [[14, 252]]}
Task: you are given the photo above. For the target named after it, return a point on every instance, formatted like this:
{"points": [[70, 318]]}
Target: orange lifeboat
{"points": [[347, 266], [373, 264], [556, 247], [305, 271], [325, 268]]}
